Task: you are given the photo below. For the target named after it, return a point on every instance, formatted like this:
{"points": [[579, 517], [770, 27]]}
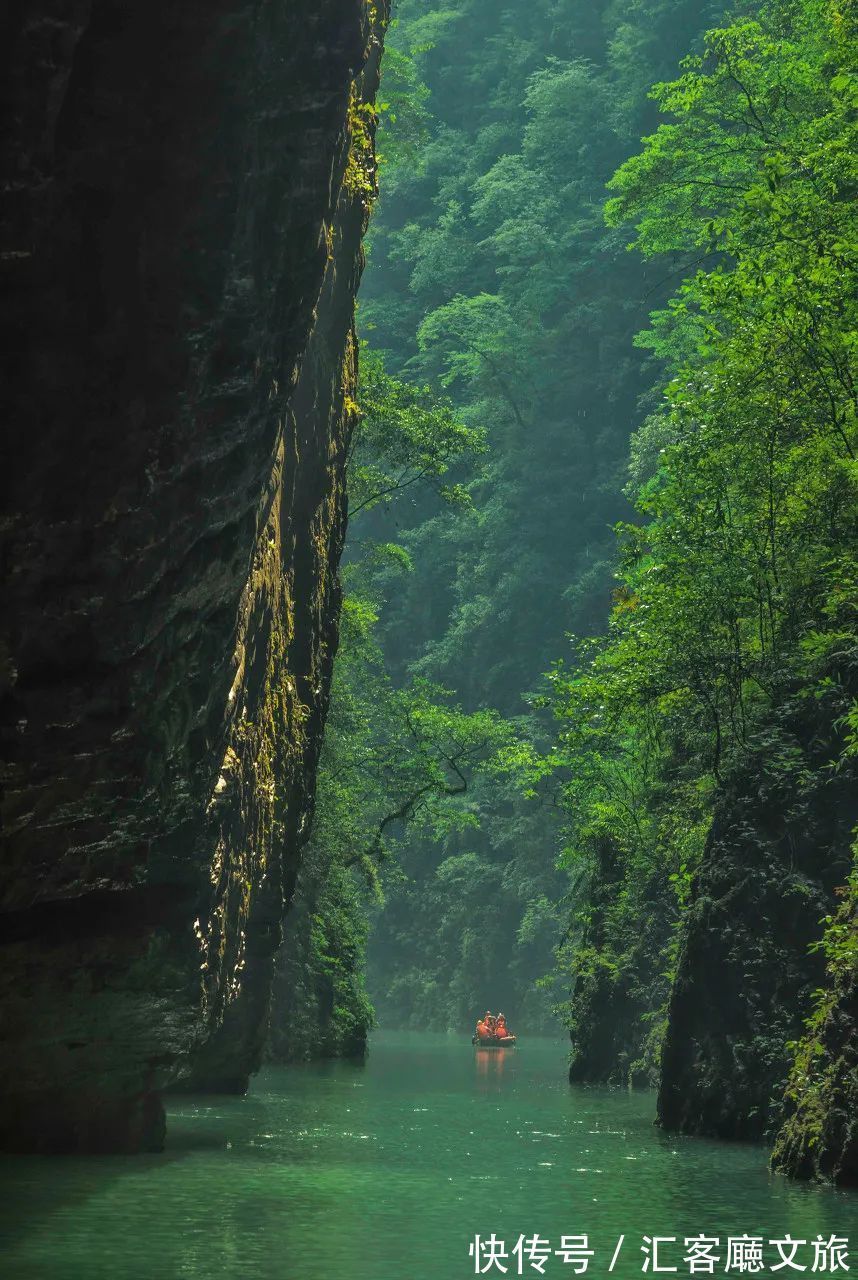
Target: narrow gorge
{"points": [[429, 694]]}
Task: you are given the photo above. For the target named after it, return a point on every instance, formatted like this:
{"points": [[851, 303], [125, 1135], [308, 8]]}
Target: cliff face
{"points": [[819, 1139], [747, 969], [180, 255], [319, 1006], [614, 1037]]}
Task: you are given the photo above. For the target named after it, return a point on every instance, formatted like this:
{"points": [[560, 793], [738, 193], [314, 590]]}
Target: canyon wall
{"points": [[750, 962], [819, 1137], [185, 191]]}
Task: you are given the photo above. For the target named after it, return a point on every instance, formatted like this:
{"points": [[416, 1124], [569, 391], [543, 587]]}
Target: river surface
{"points": [[388, 1171]]}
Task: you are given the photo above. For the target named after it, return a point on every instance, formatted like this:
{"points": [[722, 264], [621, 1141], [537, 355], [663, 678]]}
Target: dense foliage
{"points": [[732, 651], [492, 273], [394, 759], [698, 774]]}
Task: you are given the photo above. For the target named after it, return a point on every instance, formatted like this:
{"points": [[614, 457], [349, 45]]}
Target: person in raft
{"points": [[490, 1027]]}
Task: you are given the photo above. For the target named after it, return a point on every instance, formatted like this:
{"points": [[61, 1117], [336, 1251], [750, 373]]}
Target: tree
{"points": [[729, 670]]}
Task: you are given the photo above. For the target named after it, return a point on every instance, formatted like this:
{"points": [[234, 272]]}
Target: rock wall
{"points": [[819, 1138], [614, 1036], [319, 1006], [747, 969], [185, 188]]}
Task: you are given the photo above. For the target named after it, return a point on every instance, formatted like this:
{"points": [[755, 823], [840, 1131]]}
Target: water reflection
{"points": [[490, 1062], [380, 1174]]}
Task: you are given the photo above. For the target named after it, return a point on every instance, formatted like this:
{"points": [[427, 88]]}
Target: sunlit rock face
{"points": [[179, 257]]}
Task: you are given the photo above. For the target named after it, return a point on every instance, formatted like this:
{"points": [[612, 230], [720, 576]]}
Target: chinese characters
{"points": [[689, 1255]]}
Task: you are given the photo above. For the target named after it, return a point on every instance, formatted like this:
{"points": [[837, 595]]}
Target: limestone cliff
{"points": [[185, 189], [748, 966]]}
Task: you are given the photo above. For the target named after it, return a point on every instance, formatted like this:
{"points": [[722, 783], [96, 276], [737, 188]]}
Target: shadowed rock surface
{"points": [[747, 971], [819, 1139], [179, 259]]}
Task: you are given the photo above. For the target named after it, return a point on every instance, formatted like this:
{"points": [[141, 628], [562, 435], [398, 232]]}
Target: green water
{"points": [[386, 1172]]}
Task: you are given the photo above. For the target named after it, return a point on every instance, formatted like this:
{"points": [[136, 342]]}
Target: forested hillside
{"points": [[711, 737], [492, 273], [608, 434]]}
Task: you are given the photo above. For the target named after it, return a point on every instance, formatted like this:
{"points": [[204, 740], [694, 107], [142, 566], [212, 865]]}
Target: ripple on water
{"points": [[316, 1175]]}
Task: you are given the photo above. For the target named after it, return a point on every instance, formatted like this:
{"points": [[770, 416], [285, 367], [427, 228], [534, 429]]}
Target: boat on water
{"points": [[492, 1032]]}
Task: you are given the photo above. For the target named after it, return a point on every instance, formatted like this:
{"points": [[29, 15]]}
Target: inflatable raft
{"points": [[492, 1042]]}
